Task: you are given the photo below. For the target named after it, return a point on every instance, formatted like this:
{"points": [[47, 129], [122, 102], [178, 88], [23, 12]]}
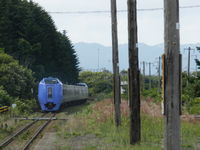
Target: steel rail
{"points": [[27, 145], [8, 140]]}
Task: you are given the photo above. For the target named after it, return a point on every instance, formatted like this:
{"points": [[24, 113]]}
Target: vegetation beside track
{"points": [[100, 87], [93, 128], [8, 125], [17, 85]]}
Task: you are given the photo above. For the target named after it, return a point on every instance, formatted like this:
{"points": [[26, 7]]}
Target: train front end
{"points": [[50, 94]]}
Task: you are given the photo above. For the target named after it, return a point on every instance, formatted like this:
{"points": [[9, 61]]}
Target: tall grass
{"points": [[97, 119]]}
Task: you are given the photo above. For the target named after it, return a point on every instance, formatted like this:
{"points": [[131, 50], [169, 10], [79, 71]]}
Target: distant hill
{"points": [[94, 56]]}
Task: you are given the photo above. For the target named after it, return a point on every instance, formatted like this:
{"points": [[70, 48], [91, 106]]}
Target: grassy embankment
{"points": [[93, 128]]}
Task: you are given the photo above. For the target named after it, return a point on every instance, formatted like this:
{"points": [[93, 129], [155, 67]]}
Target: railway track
{"points": [[11, 138], [39, 130]]}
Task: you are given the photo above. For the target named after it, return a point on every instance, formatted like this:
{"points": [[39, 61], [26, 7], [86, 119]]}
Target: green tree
{"points": [[16, 80], [98, 82], [5, 99], [28, 34]]}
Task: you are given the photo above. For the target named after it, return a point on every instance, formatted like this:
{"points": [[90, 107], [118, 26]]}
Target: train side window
{"points": [[50, 93]]}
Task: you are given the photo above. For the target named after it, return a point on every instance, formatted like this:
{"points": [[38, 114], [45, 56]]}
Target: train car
{"points": [[52, 93], [74, 93]]}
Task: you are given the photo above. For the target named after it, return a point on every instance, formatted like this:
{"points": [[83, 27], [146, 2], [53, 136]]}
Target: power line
{"points": [[119, 11]]}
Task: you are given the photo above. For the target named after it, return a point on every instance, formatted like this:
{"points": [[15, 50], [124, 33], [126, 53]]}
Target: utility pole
{"points": [[116, 77], [150, 75], [159, 61], [98, 59], [141, 78], [143, 68], [189, 49], [143, 75], [195, 65], [172, 75], [134, 85]]}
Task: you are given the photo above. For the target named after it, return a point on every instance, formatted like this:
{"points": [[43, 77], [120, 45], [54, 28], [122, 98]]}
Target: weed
{"points": [[97, 120]]}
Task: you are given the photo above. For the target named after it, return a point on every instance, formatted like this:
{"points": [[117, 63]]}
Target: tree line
{"points": [[28, 34], [31, 48]]}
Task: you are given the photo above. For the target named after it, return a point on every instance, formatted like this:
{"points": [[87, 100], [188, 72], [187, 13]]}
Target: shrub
{"points": [[194, 109], [194, 106], [98, 82], [17, 80], [5, 99], [25, 106], [153, 93]]}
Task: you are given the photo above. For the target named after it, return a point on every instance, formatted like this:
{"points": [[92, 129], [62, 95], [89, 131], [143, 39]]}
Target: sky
{"points": [[96, 27]]}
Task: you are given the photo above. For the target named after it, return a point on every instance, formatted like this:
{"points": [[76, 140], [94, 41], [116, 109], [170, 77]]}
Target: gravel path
{"points": [[47, 142]]}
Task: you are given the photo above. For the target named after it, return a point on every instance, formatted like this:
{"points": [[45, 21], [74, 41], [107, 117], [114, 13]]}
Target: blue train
{"points": [[52, 93]]}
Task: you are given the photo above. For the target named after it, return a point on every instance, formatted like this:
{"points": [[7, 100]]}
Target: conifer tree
{"points": [[28, 34]]}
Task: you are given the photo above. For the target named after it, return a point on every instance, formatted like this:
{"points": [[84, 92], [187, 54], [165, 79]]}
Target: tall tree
{"points": [[28, 33]]}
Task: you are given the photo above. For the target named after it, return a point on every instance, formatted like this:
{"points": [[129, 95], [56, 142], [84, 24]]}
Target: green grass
{"points": [[4, 128], [93, 121], [190, 134]]}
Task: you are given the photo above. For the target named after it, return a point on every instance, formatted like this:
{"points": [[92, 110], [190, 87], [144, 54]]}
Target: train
{"points": [[52, 93]]}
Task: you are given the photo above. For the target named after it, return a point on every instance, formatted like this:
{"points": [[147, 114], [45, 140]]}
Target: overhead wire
{"points": [[119, 11]]}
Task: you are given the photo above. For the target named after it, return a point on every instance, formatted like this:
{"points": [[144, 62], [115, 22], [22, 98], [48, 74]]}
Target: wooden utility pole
{"points": [[195, 65], [141, 80], [159, 85], [116, 77], [143, 75], [150, 76], [172, 75], [143, 68], [134, 89], [98, 61], [189, 49]]}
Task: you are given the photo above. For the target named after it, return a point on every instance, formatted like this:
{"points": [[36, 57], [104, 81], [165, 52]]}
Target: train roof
{"points": [[50, 80], [81, 84]]}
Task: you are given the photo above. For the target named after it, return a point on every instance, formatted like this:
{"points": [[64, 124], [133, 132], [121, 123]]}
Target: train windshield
{"points": [[51, 81]]}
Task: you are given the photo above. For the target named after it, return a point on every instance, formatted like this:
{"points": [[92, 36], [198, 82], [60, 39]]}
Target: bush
{"points": [[194, 109], [25, 106], [98, 82], [193, 106], [153, 93], [5, 99], [17, 80]]}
